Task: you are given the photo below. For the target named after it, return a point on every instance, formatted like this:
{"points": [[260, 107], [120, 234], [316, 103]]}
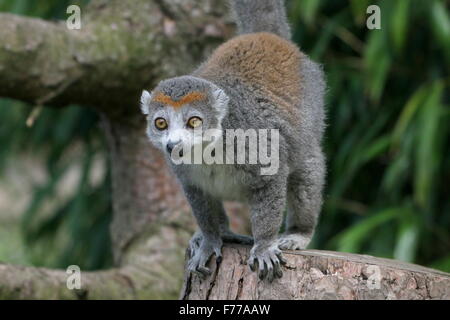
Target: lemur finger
{"points": [[277, 269], [200, 275], [192, 250], [252, 262], [270, 270], [194, 270], [283, 261], [204, 271], [262, 271], [218, 252], [271, 275], [278, 272]]}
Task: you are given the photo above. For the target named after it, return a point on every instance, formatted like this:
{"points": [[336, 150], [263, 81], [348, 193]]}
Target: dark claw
{"points": [[271, 275], [278, 271], [279, 274], [199, 274], [252, 265], [204, 271], [262, 271], [261, 276], [281, 258], [273, 272]]}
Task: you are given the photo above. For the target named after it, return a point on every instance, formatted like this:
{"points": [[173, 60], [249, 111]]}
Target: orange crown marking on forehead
{"points": [[190, 97]]}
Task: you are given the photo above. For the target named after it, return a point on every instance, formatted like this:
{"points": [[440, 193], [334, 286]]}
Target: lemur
{"points": [[258, 79]]}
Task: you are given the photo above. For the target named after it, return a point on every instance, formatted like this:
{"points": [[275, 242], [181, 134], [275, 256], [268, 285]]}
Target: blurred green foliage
{"points": [[387, 141], [74, 229], [388, 126]]}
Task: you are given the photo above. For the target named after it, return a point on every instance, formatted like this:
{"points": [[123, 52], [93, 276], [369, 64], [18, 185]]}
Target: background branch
{"points": [[121, 48]]}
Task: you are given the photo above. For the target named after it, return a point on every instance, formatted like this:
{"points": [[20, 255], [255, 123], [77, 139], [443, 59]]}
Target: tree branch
{"points": [[318, 275], [151, 272], [120, 49]]}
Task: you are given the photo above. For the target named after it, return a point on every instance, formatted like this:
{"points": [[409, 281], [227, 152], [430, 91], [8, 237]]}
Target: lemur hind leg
{"points": [[304, 201], [225, 233], [227, 236], [231, 237]]}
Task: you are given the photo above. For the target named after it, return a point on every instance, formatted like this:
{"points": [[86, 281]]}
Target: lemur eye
{"points": [[194, 122], [160, 123]]}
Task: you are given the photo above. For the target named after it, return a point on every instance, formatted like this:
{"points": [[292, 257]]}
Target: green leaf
{"points": [[359, 8], [407, 240], [399, 23], [376, 148], [408, 113], [377, 62], [308, 10], [352, 239], [441, 26], [426, 152], [442, 264]]}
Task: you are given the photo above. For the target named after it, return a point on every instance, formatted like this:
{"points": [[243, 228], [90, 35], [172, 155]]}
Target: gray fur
{"points": [[235, 104], [261, 15]]}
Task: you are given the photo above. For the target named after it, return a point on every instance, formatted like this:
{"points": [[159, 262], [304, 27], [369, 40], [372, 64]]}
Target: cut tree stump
{"points": [[316, 274]]}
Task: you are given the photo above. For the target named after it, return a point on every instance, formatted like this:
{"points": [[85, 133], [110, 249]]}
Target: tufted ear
{"points": [[221, 102], [145, 100]]}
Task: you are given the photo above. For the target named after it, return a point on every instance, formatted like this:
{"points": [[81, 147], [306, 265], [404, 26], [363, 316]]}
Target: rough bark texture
{"points": [[314, 274], [122, 47]]}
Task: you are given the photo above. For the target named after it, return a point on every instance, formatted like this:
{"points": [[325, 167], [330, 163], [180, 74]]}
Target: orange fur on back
{"points": [[264, 61]]}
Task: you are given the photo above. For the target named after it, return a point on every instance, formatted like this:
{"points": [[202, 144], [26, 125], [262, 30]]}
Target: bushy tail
{"points": [[261, 15]]}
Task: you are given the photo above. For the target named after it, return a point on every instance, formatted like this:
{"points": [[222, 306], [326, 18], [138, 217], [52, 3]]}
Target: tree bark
{"points": [[314, 274], [122, 48]]}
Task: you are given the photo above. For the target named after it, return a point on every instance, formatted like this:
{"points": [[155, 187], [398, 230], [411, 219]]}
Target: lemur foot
{"points": [[228, 237], [294, 241], [267, 258], [200, 252], [194, 243]]}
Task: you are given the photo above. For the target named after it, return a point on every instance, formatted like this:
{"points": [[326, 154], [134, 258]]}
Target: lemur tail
{"points": [[261, 15]]}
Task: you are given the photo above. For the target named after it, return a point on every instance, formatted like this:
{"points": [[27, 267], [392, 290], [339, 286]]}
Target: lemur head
{"points": [[180, 109]]}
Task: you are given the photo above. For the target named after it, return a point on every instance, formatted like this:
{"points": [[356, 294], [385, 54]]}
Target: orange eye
{"points": [[195, 122], [160, 123]]}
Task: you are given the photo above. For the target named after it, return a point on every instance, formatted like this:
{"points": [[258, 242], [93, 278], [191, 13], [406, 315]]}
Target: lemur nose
{"points": [[170, 145]]}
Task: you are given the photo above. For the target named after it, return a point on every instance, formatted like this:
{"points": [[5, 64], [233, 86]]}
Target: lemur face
{"points": [[179, 110]]}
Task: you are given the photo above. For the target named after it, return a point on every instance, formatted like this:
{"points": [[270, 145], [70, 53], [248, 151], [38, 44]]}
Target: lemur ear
{"points": [[145, 100], [221, 102]]}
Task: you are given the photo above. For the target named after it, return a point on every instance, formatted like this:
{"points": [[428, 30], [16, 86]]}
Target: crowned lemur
{"points": [[258, 79]]}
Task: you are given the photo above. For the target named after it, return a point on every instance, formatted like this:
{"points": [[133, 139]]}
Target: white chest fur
{"points": [[221, 181]]}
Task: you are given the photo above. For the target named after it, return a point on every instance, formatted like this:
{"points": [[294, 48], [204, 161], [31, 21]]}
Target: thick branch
{"points": [[120, 49], [151, 272], [314, 274], [123, 47]]}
